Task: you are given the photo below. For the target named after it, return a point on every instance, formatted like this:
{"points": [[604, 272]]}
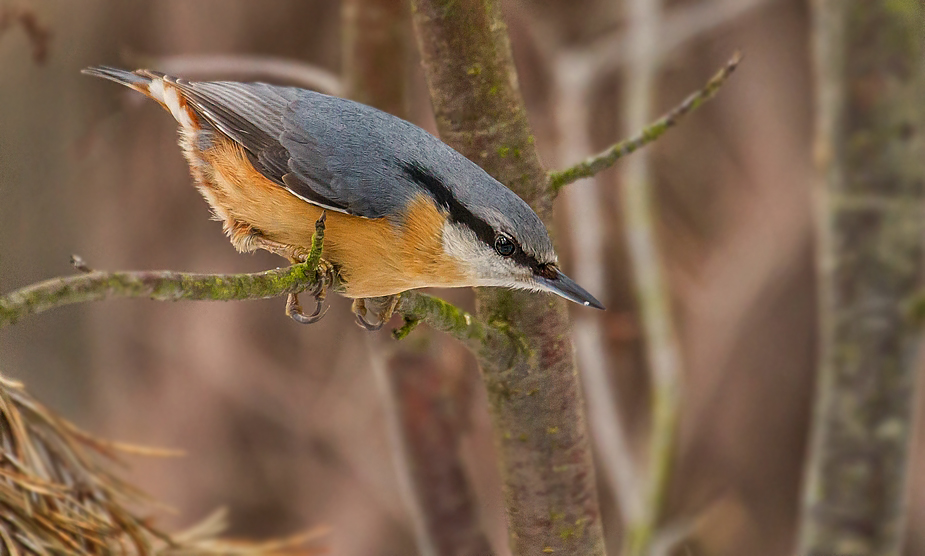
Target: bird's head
{"points": [[494, 236]]}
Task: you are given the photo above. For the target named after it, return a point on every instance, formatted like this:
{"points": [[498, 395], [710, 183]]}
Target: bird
{"points": [[402, 210]]}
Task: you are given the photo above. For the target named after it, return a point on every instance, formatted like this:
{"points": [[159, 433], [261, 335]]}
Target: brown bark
{"points": [[537, 410], [432, 405], [869, 144]]}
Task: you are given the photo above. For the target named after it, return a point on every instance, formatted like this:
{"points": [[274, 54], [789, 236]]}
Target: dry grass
{"points": [[59, 496]]}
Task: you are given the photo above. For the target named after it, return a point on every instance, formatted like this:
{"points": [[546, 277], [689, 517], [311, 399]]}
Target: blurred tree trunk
{"points": [[869, 61], [375, 53], [537, 409], [427, 404]]}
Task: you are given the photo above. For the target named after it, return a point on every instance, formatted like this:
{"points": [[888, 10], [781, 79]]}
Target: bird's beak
{"points": [[562, 285]]}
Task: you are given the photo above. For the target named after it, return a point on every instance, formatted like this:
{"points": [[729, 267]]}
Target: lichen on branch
{"points": [[167, 285], [162, 285]]}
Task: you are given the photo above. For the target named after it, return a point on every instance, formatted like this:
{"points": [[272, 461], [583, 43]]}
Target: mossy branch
{"points": [[164, 285], [168, 285], [478, 336], [608, 157]]}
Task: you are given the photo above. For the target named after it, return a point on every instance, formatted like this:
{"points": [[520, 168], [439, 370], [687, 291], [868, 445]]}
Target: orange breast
{"points": [[375, 256]]}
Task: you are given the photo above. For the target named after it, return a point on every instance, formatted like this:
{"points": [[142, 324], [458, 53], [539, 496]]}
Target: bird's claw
{"points": [[325, 273], [294, 310], [380, 307]]}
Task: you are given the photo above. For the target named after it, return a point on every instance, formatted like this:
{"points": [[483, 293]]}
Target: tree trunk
{"points": [[537, 409], [869, 60]]}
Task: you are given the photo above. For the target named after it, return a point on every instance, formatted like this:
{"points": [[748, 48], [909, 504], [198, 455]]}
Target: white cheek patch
{"points": [[482, 265], [463, 245]]}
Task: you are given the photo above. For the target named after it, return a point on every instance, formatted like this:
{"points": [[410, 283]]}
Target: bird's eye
{"points": [[504, 245]]}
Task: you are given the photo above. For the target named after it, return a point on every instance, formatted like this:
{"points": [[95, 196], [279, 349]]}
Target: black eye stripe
{"points": [[459, 214]]}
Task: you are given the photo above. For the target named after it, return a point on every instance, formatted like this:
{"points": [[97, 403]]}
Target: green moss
{"points": [[410, 324], [474, 70]]}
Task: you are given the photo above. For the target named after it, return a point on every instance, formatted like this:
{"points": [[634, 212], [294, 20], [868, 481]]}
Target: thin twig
{"points": [[169, 285], [609, 157], [159, 285], [246, 67], [649, 276], [573, 80]]}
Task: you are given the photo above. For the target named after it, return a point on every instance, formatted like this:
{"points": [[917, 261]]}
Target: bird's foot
{"points": [[381, 308], [325, 273]]}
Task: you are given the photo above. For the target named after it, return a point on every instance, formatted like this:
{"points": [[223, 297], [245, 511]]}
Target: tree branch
{"points": [[159, 285], [609, 157], [481, 338], [536, 404], [168, 285], [871, 251]]}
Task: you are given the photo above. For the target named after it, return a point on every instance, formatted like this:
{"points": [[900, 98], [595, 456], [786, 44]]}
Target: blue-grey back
{"points": [[354, 158]]}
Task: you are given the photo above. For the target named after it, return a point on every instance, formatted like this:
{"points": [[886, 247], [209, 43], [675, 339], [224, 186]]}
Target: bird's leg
{"points": [[379, 307], [247, 239], [290, 252]]}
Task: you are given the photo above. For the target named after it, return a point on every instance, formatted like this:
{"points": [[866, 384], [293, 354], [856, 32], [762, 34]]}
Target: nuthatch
{"points": [[403, 209]]}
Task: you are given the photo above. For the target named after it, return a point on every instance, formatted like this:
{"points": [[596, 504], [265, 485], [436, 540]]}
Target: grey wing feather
{"points": [[329, 151], [349, 151], [252, 114]]}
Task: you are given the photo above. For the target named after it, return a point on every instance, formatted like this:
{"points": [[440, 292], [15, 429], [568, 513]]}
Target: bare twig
{"points": [[39, 35], [574, 79], [245, 67], [609, 157], [652, 293]]}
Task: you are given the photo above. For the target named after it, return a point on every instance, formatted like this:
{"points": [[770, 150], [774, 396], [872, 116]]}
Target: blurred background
{"points": [[284, 424]]}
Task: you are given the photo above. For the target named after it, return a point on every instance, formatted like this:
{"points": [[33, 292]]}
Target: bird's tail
{"points": [[140, 80], [154, 85]]}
